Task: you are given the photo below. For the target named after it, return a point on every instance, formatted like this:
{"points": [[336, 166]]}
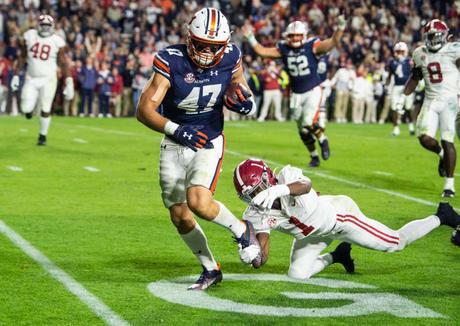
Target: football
{"points": [[236, 92]]}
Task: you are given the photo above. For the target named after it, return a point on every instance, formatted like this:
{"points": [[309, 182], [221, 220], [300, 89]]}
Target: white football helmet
{"points": [[208, 36], [296, 34], [401, 50], [45, 25], [435, 34]]}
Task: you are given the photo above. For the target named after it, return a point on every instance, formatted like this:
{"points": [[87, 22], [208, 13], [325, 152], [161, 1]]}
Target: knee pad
{"points": [[306, 136]]}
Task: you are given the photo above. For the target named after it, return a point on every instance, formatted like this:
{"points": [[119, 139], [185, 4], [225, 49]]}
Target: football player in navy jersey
{"points": [[399, 69], [301, 57], [189, 82]]}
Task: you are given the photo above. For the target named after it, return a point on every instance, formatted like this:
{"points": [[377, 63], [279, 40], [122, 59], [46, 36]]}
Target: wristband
{"points": [[170, 128], [252, 40]]}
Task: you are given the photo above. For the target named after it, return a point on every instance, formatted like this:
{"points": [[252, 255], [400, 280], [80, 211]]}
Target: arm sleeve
{"points": [[238, 58], [291, 174], [161, 64]]}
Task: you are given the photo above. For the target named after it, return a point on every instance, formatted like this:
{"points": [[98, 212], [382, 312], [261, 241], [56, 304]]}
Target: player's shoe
{"points": [[206, 279], [412, 132], [248, 238], [325, 151], [41, 140], [29, 115], [447, 215], [448, 193], [441, 168], [396, 131], [342, 255], [314, 163]]}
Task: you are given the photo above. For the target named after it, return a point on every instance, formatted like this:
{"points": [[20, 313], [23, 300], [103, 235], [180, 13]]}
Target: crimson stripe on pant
{"points": [[357, 223]]}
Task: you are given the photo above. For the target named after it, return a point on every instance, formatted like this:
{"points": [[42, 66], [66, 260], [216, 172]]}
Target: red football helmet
{"points": [[435, 34], [250, 177]]}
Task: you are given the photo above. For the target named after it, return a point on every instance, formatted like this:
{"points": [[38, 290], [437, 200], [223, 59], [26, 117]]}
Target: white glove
{"points": [[265, 198], [341, 23], [248, 254], [248, 33], [14, 84], [69, 90], [399, 107]]}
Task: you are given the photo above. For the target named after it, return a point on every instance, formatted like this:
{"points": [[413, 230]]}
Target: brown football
{"points": [[236, 92]]}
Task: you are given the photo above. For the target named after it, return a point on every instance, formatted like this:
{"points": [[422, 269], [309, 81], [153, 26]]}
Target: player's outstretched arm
{"points": [[265, 198], [330, 43], [151, 98], [258, 48]]}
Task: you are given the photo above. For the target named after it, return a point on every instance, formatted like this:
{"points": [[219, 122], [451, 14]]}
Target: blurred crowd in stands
{"points": [[111, 45]]}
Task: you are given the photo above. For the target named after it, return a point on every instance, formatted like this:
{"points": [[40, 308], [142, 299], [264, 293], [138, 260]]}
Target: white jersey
{"points": [[42, 53], [439, 70], [300, 216]]}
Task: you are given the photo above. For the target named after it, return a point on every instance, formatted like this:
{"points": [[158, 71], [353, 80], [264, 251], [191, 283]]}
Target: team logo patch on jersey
{"points": [[271, 222], [189, 78]]}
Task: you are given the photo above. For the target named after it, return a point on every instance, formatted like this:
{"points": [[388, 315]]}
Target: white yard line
{"points": [[79, 140], [93, 302], [15, 168], [23, 130], [387, 174], [319, 174], [91, 169]]}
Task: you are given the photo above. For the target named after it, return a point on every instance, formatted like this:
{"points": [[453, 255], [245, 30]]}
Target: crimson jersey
{"points": [[195, 97]]}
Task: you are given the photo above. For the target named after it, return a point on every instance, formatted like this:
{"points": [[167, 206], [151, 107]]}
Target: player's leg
{"points": [[397, 102], [409, 107], [447, 130], [47, 92], [29, 96], [267, 98], [426, 127], [278, 98], [310, 119], [306, 258]]}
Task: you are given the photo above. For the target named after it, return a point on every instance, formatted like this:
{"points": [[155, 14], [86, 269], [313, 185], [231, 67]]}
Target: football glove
{"points": [[248, 254], [191, 137], [341, 23], [265, 198], [69, 90], [245, 105], [14, 84], [455, 237]]}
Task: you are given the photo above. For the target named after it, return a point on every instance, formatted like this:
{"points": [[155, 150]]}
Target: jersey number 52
{"points": [[298, 66]]}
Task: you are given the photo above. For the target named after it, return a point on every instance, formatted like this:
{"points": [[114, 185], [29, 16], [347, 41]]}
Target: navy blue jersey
{"points": [[302, 65], [195, 97], [323, 66], [400, 70]]}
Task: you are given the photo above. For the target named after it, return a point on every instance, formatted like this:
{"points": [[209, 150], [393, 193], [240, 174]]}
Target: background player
{"points": [[399, 71], [43, 50], [189, 84], [300, 57], [288, 203], [437, 63]]}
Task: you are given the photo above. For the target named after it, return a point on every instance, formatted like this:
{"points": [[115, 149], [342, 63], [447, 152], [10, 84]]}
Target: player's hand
{"points": [[193, 139], [247, 31], [14, 84], [341, 23], [265, 198], [245, 104], [69, 90], [248, 254]]}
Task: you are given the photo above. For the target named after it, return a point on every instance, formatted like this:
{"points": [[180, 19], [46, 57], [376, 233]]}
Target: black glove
{"points": [[192, 138], [456, 236]]}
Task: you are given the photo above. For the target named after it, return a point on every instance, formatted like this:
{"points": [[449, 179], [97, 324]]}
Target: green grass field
{"points": [[108, 229]]}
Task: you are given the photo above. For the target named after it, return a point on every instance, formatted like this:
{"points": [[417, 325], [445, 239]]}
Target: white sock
{"points": [[449, 184], [198, 244], [441, 153], [417, 229], [322, 137], [44, 125], [314, 153], [411, 126], [226, 219]]}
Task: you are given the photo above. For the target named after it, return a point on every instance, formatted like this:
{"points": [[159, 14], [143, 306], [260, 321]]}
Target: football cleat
{"points": [[325, 151], [248, 238], [412, 132], [314, 163], [441, 168], [29, 115], [206, 279], [341, 255], [447, 193], [41, 140], [455, 239], [447, 215]]}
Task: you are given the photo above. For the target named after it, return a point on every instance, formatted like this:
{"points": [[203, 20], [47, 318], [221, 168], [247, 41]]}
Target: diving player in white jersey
{"points": [[301, 57], [42, 50], [437, 63], [287, 202]]}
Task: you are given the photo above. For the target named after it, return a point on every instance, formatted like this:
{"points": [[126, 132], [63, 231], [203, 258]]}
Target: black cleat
{"points": [[29, 115], [447, 215], [325, 151], [412, 132], [441, 168], [248, 238], [341, 255], [314, 163], [447, 193], [41, 140], [206, 279]]}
